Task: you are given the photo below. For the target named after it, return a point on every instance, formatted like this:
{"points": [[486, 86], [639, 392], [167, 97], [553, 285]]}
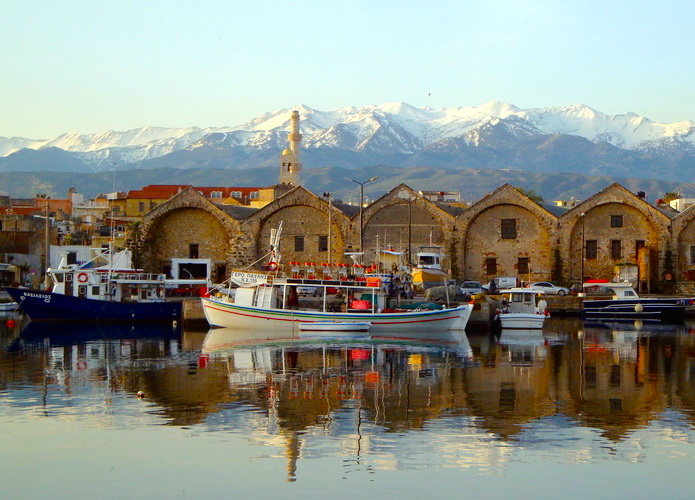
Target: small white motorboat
{"points": [[8, 306], [519, 309], [334, 328]]}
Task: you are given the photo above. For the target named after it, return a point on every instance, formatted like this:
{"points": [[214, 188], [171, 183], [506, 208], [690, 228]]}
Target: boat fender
{"points": [[82, 277], [272, 266]]}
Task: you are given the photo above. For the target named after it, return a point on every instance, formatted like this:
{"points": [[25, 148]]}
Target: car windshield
{"points": [[471, 284]]}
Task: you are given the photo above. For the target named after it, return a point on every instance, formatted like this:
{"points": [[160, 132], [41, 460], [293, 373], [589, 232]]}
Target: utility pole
{"points": [[361, 184], [329, 197]]}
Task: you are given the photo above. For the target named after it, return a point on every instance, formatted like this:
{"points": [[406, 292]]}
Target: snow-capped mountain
{"points": [[495, 134]]}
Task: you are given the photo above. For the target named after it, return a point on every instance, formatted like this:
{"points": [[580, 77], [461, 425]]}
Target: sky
{"points": [[88, 67]]}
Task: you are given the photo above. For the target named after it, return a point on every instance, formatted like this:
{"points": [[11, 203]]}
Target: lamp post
{"points": [[328, 196], [361, 184], [581, 277]]}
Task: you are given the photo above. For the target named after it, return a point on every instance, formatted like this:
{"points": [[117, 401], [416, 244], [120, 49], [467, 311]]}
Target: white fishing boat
{"points": [[428, 271], [275, 305], [519, 309]]}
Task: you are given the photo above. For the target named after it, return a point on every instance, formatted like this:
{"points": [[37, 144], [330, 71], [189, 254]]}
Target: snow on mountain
{"points": [[395, 127]]}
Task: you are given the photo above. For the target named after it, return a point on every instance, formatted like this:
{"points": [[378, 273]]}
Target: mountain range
{"points": [[495, 135]]}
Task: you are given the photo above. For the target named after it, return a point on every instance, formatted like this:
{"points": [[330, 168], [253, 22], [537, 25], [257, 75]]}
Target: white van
{"points": [[502, 283]]}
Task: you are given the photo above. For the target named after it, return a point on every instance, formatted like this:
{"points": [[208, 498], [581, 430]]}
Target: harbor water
{"points": [[577, 410]]}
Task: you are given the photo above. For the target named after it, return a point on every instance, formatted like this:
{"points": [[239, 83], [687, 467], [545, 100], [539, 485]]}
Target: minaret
{"points": [[290, 166]]}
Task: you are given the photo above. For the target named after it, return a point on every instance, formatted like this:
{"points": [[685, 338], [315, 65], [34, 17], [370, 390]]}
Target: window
{"points": [[216, 194], [616, 221], [616, 249], [95, 291], [615, 376], [508, 229], [299, 243], [193, 251], [491, 266], [141, 206], [591, 249], [236, 194], [254, 195], [590, 377], [522, 265], [323, 243]]}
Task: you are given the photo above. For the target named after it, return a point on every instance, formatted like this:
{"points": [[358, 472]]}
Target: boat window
{"points": [[143, 294], [630, 293], [59, 277], [95, 291], [528, 297], [426, 260], [516, 297], [68, 277]]}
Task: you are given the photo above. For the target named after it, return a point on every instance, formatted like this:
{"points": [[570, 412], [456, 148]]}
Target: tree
{"points": [[532, 195], [670, 196]]}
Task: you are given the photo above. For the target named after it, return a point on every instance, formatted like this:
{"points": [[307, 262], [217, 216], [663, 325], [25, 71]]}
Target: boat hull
{"points": [[662, 309], [428, 278], [525, 321], [41, 305], [220, 313]]}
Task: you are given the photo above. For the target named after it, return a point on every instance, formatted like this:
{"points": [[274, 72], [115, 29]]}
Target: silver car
{"points": [[549, 289], [471, 287]]}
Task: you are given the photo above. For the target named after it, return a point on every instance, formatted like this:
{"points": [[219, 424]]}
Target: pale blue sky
{"points": [[92, 66]]}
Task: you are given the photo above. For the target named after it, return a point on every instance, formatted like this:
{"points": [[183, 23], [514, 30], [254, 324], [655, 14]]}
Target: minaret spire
{"points": [[290, 166]]}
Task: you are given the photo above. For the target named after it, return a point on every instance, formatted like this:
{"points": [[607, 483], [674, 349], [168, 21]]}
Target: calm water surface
{"points": [[579, 410]]}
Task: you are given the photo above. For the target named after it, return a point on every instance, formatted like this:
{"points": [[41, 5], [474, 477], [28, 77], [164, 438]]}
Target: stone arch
{"points": [[403, 216], [187, 219], [481, 237], [640, 223], [303, 214]]}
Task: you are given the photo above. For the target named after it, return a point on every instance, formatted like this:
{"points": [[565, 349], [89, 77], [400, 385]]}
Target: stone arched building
{"points": [[504, 234]]}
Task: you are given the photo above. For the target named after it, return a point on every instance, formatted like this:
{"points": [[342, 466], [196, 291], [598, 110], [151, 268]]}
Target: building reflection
{"points": [[611, 378]]}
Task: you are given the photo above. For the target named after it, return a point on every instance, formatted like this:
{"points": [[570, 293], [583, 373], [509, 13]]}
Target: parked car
{"points": [[502, 283], [471, 287], [549, 289], [306, 290]]}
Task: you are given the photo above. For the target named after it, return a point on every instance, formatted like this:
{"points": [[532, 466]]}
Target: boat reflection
{"points": [[360, 396]]}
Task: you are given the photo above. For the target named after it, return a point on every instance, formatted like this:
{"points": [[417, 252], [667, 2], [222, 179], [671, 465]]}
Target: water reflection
{"points": [[453, 399]]}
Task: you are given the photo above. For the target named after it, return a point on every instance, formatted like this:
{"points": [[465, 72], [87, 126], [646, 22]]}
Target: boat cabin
{"points": [[333, 297], [429, 257], [620, 290], [520, 300], [107, 278]]}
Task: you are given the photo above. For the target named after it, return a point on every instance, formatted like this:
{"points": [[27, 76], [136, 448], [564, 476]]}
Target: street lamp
{"points": [[581, 277], [361, 184], [328, 196]]}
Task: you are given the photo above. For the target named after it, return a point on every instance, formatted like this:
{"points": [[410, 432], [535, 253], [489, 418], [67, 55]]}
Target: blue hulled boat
{"points": [[112, 292]]}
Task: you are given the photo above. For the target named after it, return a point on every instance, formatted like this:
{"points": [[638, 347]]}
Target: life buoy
{"points": [[81, 365], [82, 277], [272, 266]]}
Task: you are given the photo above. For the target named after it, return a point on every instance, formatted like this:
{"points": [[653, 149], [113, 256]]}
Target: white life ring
{"points": [[82, 277], [272, 266]]}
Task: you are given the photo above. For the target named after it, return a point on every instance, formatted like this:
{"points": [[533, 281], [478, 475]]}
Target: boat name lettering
{"points": [[249, 278], [46, 298]]}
